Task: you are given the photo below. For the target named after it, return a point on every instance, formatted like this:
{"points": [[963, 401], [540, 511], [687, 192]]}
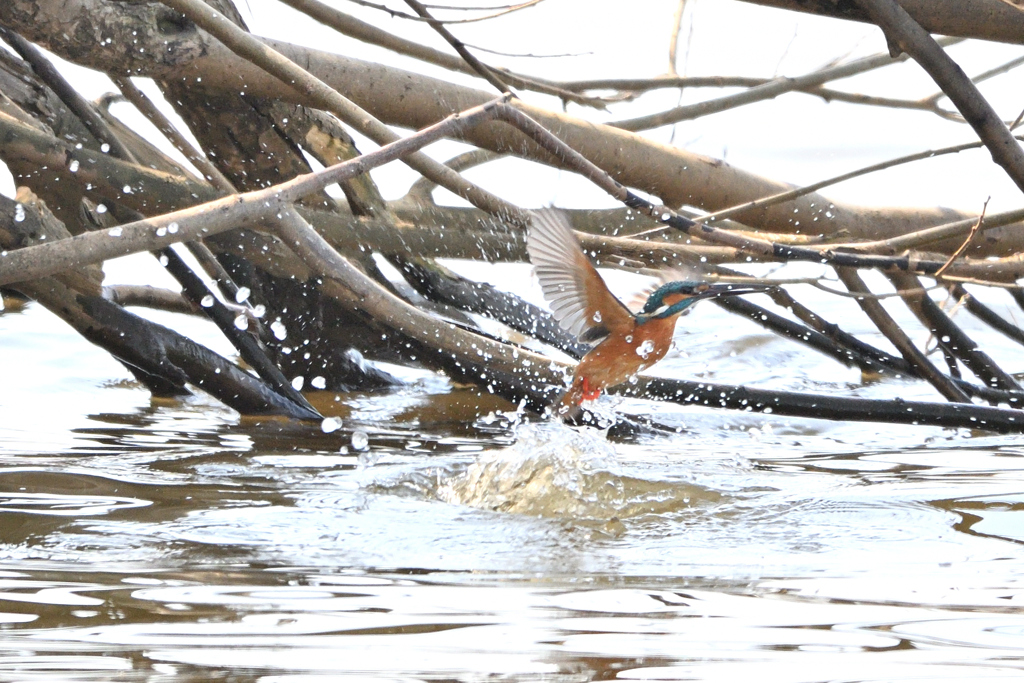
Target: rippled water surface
{"points": [[156, 541]]}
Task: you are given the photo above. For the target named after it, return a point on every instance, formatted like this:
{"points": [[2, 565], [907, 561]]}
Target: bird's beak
{"points": [[717, 289]]}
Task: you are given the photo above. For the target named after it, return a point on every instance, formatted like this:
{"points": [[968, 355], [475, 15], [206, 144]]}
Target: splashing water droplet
{"points": [[73, 166], [101, 208], [115, 232], [259, 310], [173, 228], [242, 294], [207, 301], [298, 382], [597, 316], [241, 322], [645, 349], [360, 441], [19, 213], [319, 382], [330, 424], [279, 330], [161, 231], [104, 148]]}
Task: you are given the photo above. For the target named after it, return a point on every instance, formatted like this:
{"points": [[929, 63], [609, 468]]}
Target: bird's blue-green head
{"points": [[675, 297]]}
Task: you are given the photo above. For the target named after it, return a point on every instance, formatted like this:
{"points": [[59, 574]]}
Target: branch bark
{"points": [[985, 19]]}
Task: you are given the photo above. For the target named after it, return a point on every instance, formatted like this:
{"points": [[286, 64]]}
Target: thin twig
{"points": [[983, 76], [673, 39], [482, 70], [813, 187], [967, 242], [767, 91], [402, 15]]}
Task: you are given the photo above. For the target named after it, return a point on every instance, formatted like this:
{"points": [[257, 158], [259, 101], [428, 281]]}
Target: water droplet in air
{"points": [[101, 208], [319, 382], [330, 424], [115, 232], [259, 310], [597, 316], [73, 166], [163, 259], [298, 382], [242, 294], [279, 330], [241, 322], [173, 228], [19, 213], [645, 349], [161, 231], [104, 148], [127, 189], [360, 441], [207, 301]]}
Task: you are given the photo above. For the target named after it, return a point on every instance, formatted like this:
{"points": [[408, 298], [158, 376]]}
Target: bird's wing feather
{"points": [[580, 300]]}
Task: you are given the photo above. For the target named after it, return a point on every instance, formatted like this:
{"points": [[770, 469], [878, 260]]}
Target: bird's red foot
{"points": [[588, 393]]}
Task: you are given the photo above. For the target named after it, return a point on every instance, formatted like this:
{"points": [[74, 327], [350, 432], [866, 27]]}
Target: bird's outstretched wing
{"points": [[580, 300]]}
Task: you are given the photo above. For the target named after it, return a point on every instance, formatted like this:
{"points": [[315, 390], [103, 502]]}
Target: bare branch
{"points": [[766, 91], [901, 30]]}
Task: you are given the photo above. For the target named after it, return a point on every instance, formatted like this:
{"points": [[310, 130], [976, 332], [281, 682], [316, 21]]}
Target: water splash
{"points": [[556, 471]]}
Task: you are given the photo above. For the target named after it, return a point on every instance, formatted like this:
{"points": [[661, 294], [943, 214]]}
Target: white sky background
{"points": [[795, 138]]}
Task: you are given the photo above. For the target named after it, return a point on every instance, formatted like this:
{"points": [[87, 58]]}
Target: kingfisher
{"points": [[624, 343]]}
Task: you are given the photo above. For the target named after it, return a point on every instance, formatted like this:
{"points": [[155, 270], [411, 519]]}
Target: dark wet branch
{"points": [[888, 327], [986, 314], [873, 361], [852, 352], [949, 335], [165, 353], [163, 360], [817, 406]]}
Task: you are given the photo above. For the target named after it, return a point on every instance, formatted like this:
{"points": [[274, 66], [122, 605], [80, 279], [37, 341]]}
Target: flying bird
{"points": [[624, 342]]}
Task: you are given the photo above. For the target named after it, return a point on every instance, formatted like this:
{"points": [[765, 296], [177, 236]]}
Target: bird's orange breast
{"points": [[621, 356]]}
